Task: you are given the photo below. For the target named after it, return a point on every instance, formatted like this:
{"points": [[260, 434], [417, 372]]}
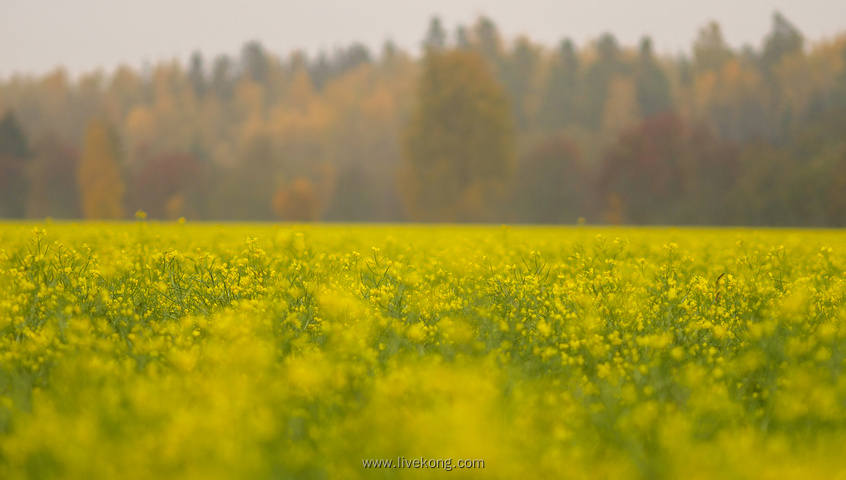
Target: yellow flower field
{"points": [[256, 351]]}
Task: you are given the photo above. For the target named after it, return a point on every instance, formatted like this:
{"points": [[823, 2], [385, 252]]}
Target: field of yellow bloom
{"points": [[254, 351]]}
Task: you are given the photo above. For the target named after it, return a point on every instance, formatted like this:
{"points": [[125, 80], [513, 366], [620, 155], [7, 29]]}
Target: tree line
{"points": [[476, 129]]}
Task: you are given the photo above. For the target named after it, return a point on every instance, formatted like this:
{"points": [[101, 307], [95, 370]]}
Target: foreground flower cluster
{"points": [[182, 351]]}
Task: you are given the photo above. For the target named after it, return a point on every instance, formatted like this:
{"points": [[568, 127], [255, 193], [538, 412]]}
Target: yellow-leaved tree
{"points": [[459, 145], [101, 186]]}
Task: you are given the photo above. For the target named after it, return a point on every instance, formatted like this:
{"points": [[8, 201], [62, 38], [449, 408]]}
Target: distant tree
{"points": [[710, 50], [342, 60], [518, 75], [488, 40], [559, 105], [169, 186], [835, 198], [784, 39], [598, 79], [197, 74], [99, 177], [667, 170], [222, 81], [306, 199], [840, 85], [684, 67], [123, 92], [13, 141], [436, 36], [350, 58], [14, 156], [390, 54], [738, 101], [320, 70], [459, 143], [653, 86], [462, 38], [799, 181], [362, 195], [769, 188], [54, 191], [552, 184], [620, 109], [254, 61], [251, 183], [298, 202], [808, 88]]}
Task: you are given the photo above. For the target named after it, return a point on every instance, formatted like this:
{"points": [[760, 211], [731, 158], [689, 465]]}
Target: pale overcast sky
{"points": [[38, 35]]}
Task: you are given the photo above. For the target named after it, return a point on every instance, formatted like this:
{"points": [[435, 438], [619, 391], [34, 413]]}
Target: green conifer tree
{"points": [[14, 156]]}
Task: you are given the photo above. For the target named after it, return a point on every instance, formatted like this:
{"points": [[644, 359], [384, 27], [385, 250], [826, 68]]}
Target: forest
{"points": [[476, 128]]}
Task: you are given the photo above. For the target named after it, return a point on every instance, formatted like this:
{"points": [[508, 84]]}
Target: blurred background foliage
{"points": [[479, 128]]}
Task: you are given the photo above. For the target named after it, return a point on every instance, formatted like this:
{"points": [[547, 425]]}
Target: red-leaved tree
{"points": [[667, 170]]}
